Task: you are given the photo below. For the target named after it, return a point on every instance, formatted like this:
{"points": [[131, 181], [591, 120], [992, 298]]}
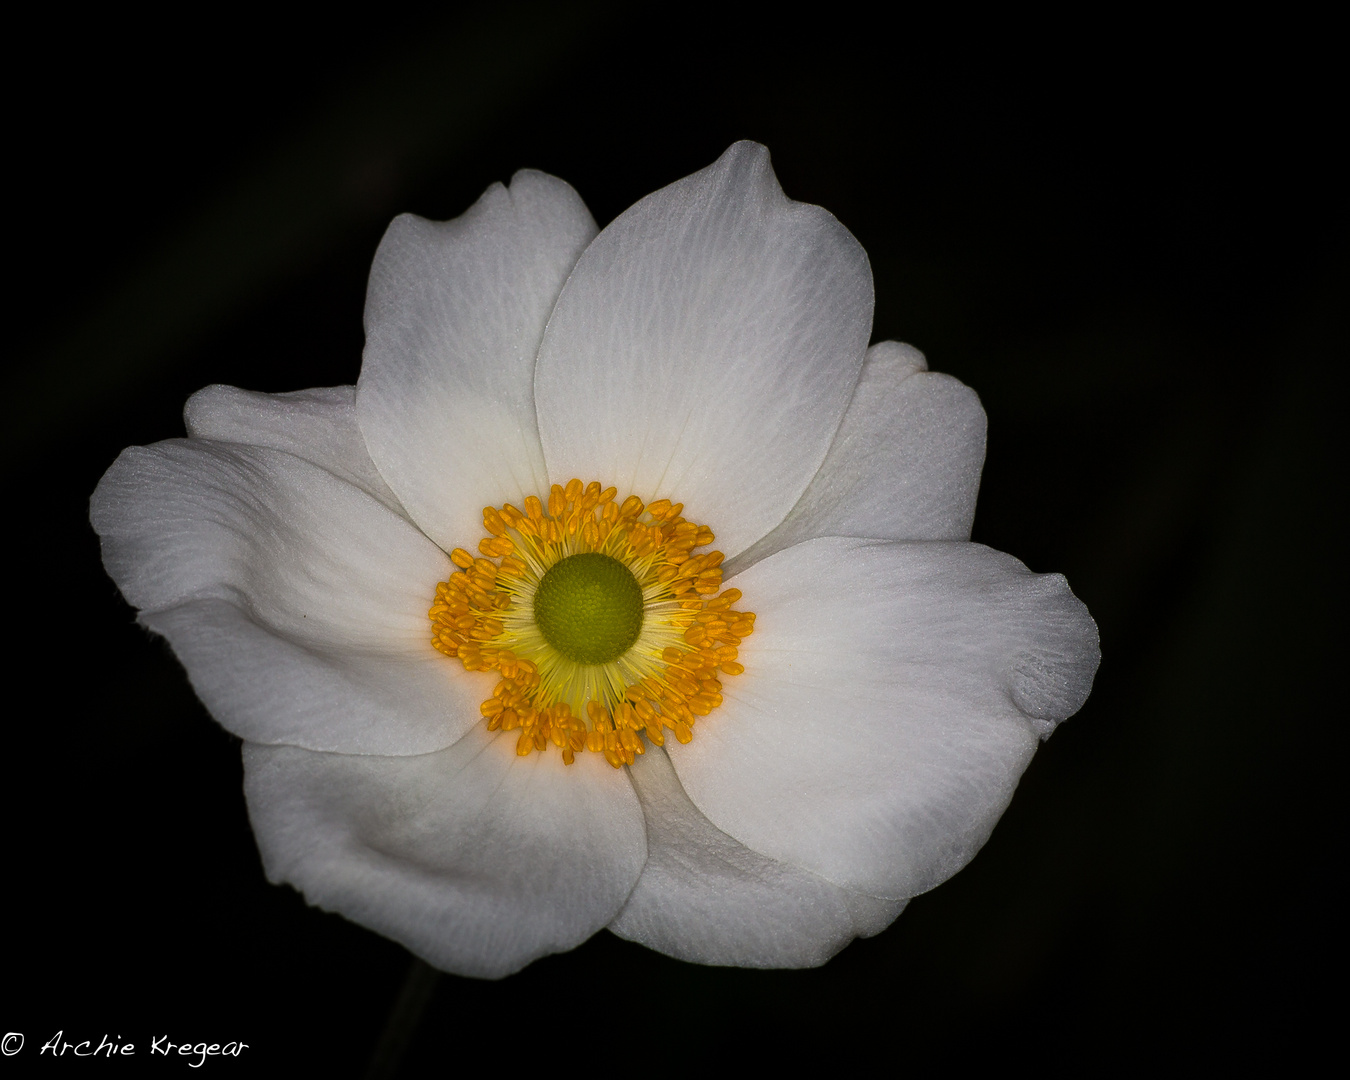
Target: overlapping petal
{"points": [[705, 897], [296, 601], [705, 348], [454, 316], [904, 465], [318, 425], [476, 859], [893, 694]]}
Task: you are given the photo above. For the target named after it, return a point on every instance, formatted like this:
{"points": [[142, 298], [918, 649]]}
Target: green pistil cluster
{"points": [[589, 608]]}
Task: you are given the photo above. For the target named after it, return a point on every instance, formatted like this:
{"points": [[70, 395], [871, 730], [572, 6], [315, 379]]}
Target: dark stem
{"points": [[404, 1016]]}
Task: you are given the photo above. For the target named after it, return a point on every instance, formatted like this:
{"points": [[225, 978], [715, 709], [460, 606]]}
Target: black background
{"points": [[1127, 236]]}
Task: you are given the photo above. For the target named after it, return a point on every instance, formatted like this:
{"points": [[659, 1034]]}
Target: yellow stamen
{"points": [[484, 616]]}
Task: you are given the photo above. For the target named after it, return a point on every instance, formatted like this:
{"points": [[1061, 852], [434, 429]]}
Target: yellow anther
{"points": [[483, 616]]}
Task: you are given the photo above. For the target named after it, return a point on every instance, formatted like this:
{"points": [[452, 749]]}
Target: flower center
{"points": [[589, 607], [605, 626]]}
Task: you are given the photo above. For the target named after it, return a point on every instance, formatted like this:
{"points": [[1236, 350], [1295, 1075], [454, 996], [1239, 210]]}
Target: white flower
{"points": [[709, 347]]}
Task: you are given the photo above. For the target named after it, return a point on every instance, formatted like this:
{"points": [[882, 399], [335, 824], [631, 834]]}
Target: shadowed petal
{"points": [[318, 425], [297, 602], [477, 860], [454, 316], [905, 464], [706, 898], [705, 348], [892, 696]]}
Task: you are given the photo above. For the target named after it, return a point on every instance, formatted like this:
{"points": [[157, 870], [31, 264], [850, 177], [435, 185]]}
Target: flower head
{"points": [[455, 612]]}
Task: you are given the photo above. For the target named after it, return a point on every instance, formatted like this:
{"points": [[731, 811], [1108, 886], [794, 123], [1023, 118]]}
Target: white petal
{"points": [[706, 898], [477, 860], [297, 603], [905, 464], [705, 348], [318, 425], [893, 694], [454, 316]]}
